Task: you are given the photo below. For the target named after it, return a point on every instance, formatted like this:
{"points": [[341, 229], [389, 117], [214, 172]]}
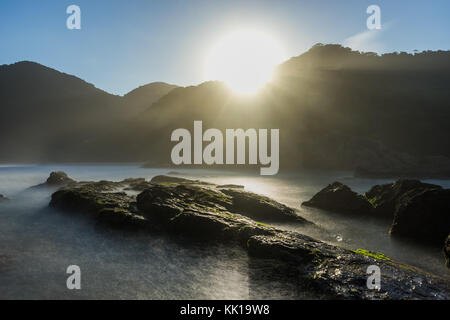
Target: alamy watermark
{"points": [[74, 280], [74, 20], [374, 278], [374, 20], [213, 153]]}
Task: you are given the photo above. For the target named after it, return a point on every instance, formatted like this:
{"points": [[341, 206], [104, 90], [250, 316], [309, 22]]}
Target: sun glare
{"points": [[244, 60]]}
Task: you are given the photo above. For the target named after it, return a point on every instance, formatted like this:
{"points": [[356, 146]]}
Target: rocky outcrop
{"points": [[385, 198], [418, 211], [58, 178], [339, 198], [104, 201], [173, 200], [204, 212], [423, 215], [260, 207], [339, 273]]}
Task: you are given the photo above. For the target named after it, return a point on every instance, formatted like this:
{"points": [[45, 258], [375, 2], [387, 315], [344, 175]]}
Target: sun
{"points": [[244, 60]]}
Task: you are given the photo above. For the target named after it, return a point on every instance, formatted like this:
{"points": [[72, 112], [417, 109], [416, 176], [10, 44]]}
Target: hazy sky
{"points": [[123, 44]]}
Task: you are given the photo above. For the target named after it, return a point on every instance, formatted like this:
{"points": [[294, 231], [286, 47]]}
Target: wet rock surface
{"points": [[385, 198], [342, 274], [260, 207], [339, 198], [423, 216], [418, 211], [204, 212]]}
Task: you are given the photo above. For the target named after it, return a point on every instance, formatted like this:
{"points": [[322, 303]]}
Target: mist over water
{"points": [[38, 243]]}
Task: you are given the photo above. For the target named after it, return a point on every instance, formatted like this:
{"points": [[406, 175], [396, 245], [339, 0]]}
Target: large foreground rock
{"points": [[339, 198], [340, 273], [171, 200], [423, 216], [207, 213], [386, 197]]}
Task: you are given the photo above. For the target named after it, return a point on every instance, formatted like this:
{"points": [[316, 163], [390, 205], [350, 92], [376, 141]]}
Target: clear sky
{"points": [[123, 44]]}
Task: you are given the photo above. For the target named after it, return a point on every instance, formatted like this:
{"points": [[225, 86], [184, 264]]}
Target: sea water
{"points": [[37, 243]]}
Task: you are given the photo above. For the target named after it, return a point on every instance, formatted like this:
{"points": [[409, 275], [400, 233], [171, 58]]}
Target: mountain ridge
{"points": [[326, 101]]}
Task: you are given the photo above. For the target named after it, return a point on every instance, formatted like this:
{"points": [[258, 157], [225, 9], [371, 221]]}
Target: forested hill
{"points": [[335, 108]]}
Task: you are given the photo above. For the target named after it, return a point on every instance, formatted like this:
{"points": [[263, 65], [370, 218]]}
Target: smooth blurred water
{"points": [[37, 243]]}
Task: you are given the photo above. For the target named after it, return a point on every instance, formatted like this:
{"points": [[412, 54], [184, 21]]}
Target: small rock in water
{"points": [[58, 178], [339, 198]]}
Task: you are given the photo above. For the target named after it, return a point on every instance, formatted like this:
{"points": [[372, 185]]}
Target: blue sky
{"points": [[123, 44]]}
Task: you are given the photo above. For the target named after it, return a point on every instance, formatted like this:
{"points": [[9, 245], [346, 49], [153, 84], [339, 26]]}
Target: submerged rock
{"points": [[385, 198], [423, 216], [339, 198], [205, 212]]}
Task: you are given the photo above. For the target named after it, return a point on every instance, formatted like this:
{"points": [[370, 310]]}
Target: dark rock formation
{"points": [[223, 215], [423, 216], [339, 198], [384, 198], [420, 211], [447, 251], [172, 200], [259, 207], [3, 198], [58, 178], [340, 273], [116, 208]]}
